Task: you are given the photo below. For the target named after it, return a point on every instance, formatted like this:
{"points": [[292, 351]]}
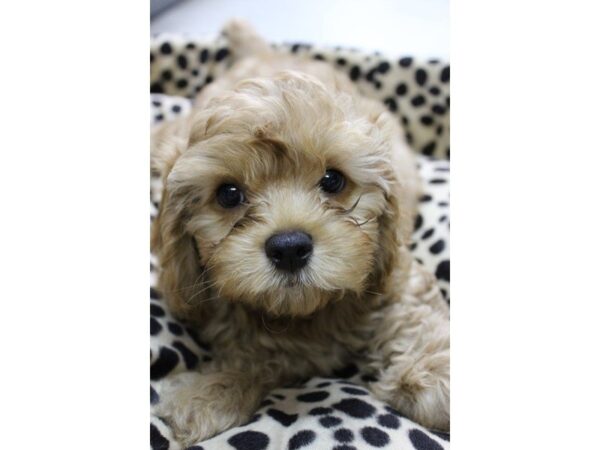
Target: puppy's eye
{"points": [[333, 182], [229, 195]]}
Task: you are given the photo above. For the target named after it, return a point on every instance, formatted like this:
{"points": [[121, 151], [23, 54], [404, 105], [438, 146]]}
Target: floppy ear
{"points": [[396, 222], [181, 275], [180, 270]]}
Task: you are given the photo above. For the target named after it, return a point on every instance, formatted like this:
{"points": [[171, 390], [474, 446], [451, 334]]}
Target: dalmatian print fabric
{"points": [[432, 225], [324, 413]]}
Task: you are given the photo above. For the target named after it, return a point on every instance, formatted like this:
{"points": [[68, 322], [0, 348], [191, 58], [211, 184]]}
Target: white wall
{"points": [[394, 27]]}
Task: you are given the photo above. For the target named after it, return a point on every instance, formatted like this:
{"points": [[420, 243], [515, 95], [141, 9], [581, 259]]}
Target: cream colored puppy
{"points": [[282, 236]]}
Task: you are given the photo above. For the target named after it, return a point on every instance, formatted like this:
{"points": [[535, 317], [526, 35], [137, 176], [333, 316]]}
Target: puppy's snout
{"points": [[289, 250]]}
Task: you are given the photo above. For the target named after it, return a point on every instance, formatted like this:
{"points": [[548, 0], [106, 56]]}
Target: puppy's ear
{"points": [[396, 222], [180, 271], [181, 275]]}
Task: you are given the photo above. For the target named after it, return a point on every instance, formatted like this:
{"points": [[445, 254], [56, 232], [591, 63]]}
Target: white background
{"points": [[74, 225], [394, 27]]}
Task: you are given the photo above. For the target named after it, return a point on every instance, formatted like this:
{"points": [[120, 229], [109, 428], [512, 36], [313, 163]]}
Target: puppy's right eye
{"points": [[230, 196], [333, 182]]}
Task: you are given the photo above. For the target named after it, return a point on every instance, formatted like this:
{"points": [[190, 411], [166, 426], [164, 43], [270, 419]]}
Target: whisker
{"points": [[206, 288], [211, 299], [374, 293], [365, 222], [353, 207]]}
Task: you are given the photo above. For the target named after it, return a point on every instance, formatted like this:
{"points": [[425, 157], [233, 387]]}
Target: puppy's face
{"points": [[282, 200]]}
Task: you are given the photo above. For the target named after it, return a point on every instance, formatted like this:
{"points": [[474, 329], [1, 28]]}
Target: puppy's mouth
{"points": [[291, 280]]}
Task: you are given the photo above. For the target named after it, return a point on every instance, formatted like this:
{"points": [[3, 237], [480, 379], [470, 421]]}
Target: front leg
{"points": [[200, 405], [411, 353]]}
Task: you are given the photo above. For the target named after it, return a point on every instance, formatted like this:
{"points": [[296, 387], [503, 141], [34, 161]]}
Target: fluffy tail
{"points": [[244, 40]]}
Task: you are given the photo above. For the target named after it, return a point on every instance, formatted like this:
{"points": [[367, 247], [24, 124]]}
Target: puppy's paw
{"points": [[423, 396], [198, 406]]}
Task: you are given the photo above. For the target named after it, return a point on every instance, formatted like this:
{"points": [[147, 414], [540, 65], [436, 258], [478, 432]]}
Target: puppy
{"points": [[287, 207]]}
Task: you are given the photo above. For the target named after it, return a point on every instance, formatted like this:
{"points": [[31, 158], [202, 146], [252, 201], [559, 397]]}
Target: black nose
{"points": [[289, 250]]}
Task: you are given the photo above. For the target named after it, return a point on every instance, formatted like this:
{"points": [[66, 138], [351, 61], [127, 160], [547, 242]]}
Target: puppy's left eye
{"points": [[230, 196], [333, 182]]}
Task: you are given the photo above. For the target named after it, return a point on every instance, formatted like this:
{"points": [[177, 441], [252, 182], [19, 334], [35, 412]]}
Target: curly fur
{"points": [[275, 131]]}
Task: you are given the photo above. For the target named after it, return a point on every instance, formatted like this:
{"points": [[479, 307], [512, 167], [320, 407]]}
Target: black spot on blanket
{"points": [[330, 421], [311, 397], [166, 48], [320, 411], [167, 360], [175, 328], [156, 310], [221, 54], [355, 407], [421, 77], [301, 439], [405, 62], [423, 442], [284, 419], [190, 359], [354, 391], [389, 421], [153, 396], [343, 435], [375, 436], [249, 440], [443, 270], [155, 326], [157, 440]]}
